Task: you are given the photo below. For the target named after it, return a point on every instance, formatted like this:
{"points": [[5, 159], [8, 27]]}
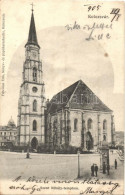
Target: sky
{"points": [[66, 57]]}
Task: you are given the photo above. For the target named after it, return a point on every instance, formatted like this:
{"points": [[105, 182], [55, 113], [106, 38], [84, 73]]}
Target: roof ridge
{"points": [[97, 96], [67, 94], [64, 89], [74, 91]]}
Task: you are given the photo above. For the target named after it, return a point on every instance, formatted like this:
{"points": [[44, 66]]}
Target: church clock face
{"points": [[34, 89]]}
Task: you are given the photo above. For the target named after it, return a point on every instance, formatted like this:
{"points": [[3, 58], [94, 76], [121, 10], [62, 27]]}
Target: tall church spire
{"points": [[32, 38], [31, 105]]}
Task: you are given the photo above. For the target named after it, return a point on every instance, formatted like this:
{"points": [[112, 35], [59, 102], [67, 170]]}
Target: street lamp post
{"points": [[78, 164], [28, 155], [100, 160]]}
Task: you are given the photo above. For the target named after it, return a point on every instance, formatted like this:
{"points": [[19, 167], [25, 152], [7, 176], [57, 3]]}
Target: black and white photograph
{"points": [[62, 97]]}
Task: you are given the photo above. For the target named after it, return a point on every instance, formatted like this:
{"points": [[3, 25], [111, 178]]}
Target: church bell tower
{"points": [[31, 105]]}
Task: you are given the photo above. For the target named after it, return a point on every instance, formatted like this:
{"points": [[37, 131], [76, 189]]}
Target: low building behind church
{"points": [[8, 134]]}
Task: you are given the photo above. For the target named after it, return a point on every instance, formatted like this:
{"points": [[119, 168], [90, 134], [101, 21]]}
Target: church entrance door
{"points": [[34, 143], [89, 141]]}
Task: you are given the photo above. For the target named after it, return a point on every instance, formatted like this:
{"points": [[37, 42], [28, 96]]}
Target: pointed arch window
{"points": [[104, 125], [90, 124], [75, 124], [34, 105], [104, 137], [34, 74], [55, 124], [34, 125]]}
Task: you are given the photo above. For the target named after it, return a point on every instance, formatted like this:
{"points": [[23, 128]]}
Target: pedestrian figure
{"points": [[115, 164], [92, 170], [96, 170], [104, 168], [108, 167]]}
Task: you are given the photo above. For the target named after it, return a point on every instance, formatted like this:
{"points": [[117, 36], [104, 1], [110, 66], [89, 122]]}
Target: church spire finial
{"points": [[32, 7], [32, 38]]}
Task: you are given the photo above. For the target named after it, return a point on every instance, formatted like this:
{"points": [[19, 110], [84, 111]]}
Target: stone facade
{"points": [[74, 116], [31, 105], [83, 123], [8, 133]]}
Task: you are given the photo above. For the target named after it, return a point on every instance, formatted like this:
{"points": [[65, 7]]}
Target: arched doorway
{"points": [[89, 141], [34, 143]]}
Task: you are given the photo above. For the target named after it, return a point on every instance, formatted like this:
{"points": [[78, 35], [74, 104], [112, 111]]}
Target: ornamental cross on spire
{"points": [[32, 7]]}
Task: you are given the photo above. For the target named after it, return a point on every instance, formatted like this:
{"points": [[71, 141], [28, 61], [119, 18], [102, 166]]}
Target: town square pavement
{"points": [[55, 166]]}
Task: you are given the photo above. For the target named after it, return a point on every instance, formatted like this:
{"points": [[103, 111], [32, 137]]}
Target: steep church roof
{"points": [[32, 38], [76, 96]]}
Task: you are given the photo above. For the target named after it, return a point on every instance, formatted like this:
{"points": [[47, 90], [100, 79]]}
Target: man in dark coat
{"points": [[96, 170], [115, 164], [104, 168], [92, 170], [108, 167]]}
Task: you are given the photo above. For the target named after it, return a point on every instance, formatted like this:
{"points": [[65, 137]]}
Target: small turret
{"points": [[11, 123]]}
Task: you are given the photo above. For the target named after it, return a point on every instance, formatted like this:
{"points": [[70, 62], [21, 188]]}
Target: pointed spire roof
{"points": [[32, 38]]}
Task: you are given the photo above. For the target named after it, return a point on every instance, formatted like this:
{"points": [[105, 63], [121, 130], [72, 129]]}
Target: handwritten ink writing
{"points": [[85, 181], [34, 179], [91, 29], [32, 189], [116, 14], [90, 190], [17, 179], [75, 26], [34, 185], [99, 37], [92, 8], [101, 26]]}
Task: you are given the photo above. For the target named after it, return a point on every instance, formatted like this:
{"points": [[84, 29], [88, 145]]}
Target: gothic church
{"points": [[31, 105], [75, 116]]}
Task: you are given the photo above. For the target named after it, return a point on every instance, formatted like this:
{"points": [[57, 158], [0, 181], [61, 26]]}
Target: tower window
{"points": [[104, 125], [104, 137], [75, 124], [90, 124], [34, 105], [34, 125], [34, 74]]}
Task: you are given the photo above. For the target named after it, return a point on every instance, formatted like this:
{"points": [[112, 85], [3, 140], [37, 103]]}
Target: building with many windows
{"points": [[8, 134]]}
